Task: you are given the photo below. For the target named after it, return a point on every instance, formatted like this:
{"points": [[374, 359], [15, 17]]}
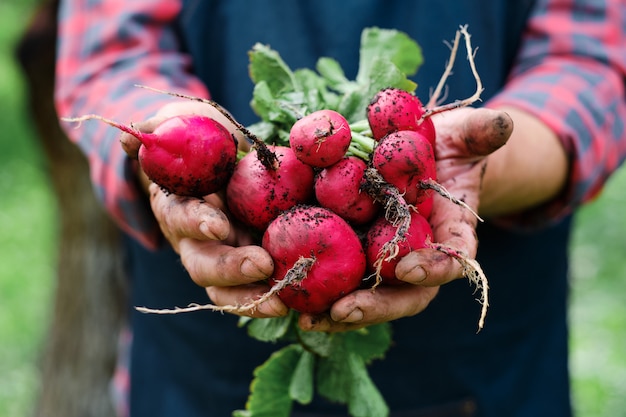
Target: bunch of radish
{"points": [[338, 184], [338, 205], [361, 214]]}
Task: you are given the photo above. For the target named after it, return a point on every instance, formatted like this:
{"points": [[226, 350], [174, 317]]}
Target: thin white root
{"points": [[442, 191], [296, 274], [212, 103], [397, 212], [474, 273], [434, 98], [179, 95], [236, 309], [80, 119], [471, 53]]}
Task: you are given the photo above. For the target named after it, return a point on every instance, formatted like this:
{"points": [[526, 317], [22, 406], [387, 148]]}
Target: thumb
{"points": [[131, 144], [486, 130]]}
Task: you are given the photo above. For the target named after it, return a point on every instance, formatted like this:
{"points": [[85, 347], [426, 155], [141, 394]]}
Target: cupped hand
{"points": [[465, 139], [216, 253]]}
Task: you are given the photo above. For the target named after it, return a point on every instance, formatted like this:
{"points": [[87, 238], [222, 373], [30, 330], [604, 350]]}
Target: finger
{"points": [[244, 294], [130, 143], [453, 228], [366, 307], [211, 263], [429, 267], [187, 217], [486, 130]]}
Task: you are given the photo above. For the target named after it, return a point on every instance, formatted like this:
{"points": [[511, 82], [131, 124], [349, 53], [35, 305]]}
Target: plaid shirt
{"points": [[569, 73]]}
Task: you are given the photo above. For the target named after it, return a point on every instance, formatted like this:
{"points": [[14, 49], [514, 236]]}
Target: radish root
{"points": [[397, 212], [474, 273], [434, 98], [442, 191], [296, 274], [471, 53]]}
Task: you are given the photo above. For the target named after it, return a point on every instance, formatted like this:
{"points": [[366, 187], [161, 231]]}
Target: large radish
{"points": [[320, 255], [187, 155]]}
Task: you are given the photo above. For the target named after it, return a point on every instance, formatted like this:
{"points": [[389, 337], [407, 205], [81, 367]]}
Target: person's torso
{"points": [[517, 366]]}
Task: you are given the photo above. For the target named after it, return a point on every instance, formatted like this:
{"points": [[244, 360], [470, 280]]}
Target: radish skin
{"points": [[255, 194], [418, 235], [321, 138], [405, 159], [339, 188], [392, 110], [337, 259]]}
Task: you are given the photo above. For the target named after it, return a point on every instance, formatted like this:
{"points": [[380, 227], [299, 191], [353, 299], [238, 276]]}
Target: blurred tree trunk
{"points": [[79, 355]]}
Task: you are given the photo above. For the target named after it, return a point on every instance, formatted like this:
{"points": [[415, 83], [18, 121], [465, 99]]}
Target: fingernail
{"points": [[252, 270], [210, 232], [354, 316], [415, 275], [206, 230], [420, 273]]}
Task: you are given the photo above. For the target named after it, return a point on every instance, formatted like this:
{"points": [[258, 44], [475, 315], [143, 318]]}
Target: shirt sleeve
{"points": [[571, 73], [105, 48]]}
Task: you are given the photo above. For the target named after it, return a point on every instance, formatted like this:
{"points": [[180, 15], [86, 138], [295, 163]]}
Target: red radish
{"points": [[393, 109], [427, 128], [338, 188], [405, 159], [188, 155], [418, 235], [327, 255], [255, 195], [425, 207], [321, 138]]}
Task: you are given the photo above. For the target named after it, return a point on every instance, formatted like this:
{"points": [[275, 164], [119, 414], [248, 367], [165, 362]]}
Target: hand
{"points": [[217, 255], [465, 137]]}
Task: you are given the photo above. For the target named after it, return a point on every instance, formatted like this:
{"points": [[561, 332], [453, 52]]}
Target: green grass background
{"points": [[27, 262]]}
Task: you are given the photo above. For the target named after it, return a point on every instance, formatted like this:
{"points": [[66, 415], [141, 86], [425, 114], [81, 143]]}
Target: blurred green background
{"points": [[27, 261]]}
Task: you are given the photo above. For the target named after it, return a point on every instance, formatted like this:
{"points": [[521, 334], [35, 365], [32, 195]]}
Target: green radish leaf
{"points": [[263, 130], [270, 329], [267, 65], [279, 110], [283, 137], [379, 72], [319, 343], [365, 399], [390, 45], [369, 343], [333, 376], [342, 375], [385, 74], [334, 75], [313, 88], [263, 102], [270, 388], [301, 386], [353, 103], [293, 106]]}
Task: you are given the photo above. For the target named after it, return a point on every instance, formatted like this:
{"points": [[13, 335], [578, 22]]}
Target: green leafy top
{"points": [[333, 365], [282, 95]]}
